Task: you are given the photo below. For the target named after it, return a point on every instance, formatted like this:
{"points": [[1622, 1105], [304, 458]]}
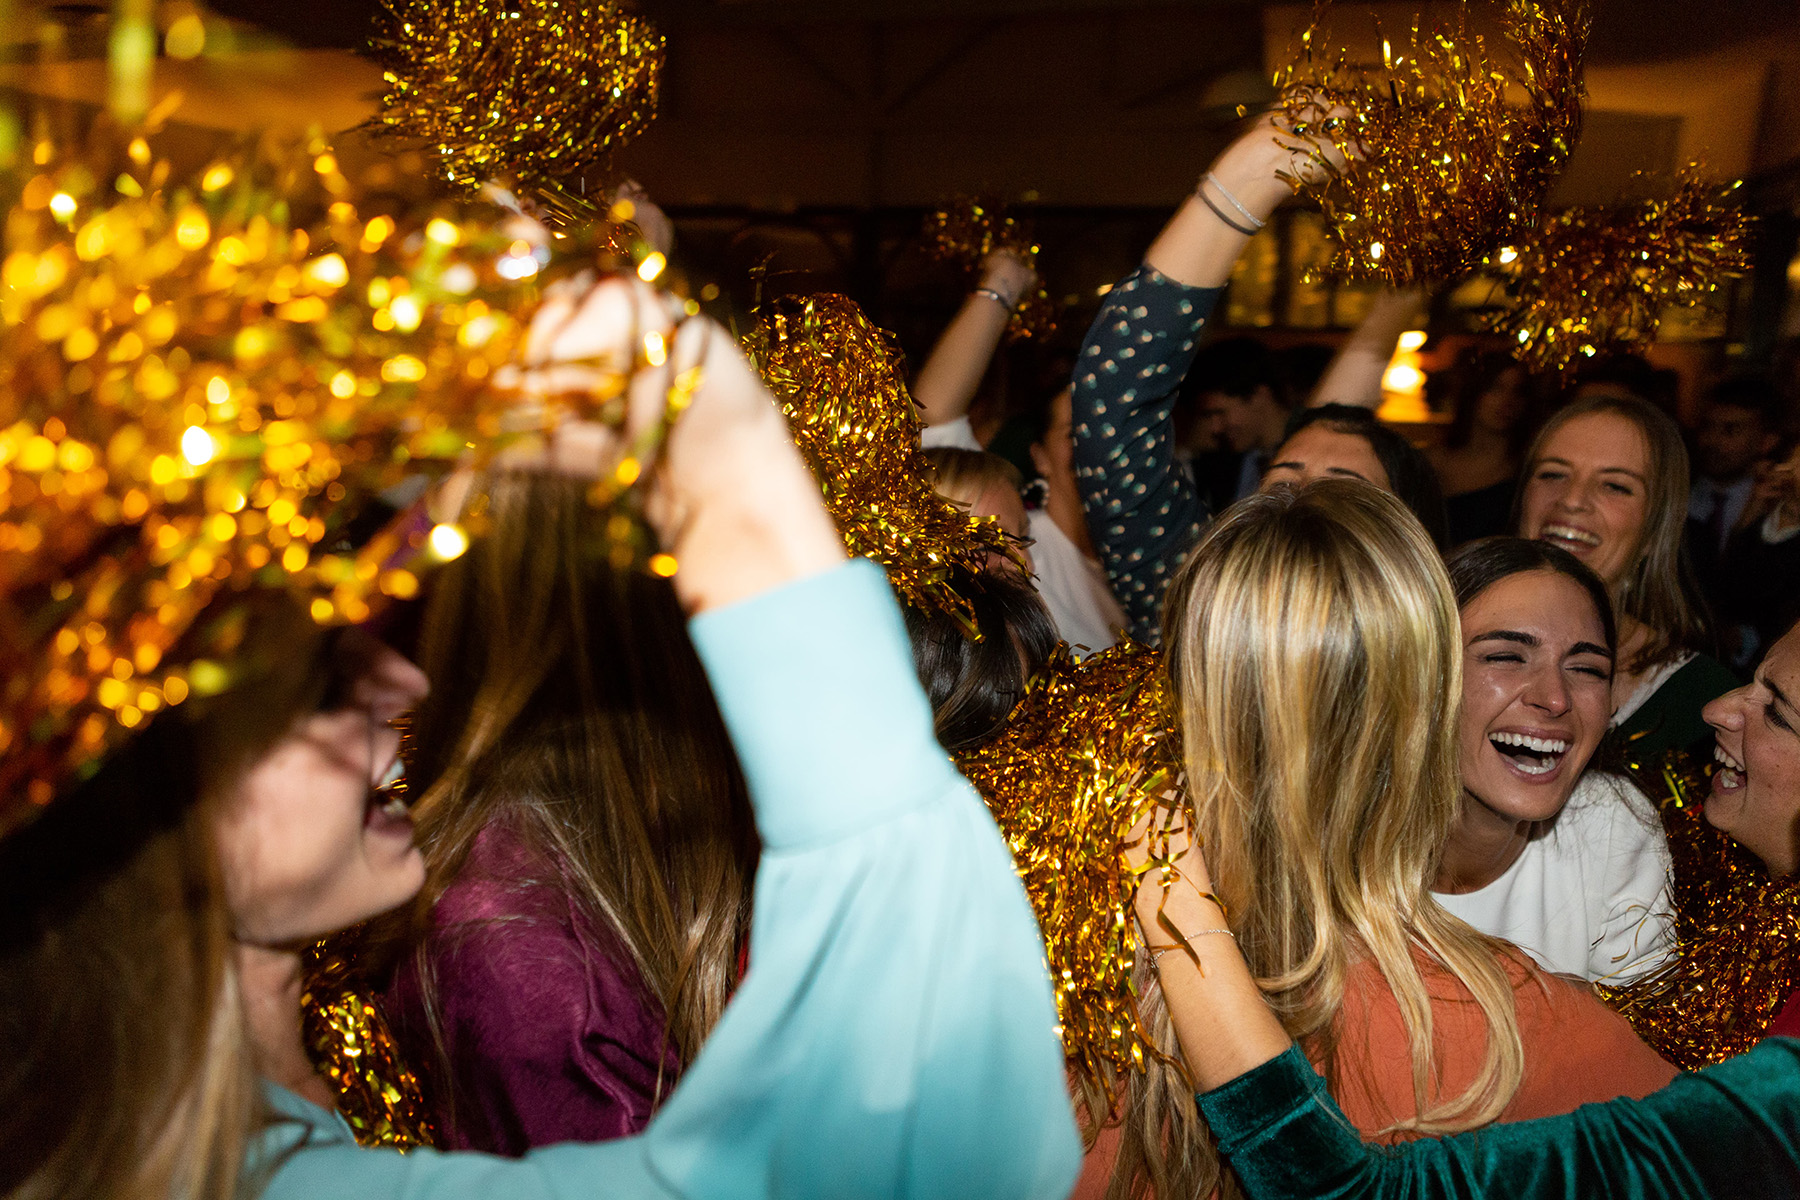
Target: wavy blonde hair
{"points": [[1315, 647]]}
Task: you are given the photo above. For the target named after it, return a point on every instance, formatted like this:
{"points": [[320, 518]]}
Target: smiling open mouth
{"points": [[1530, 755], [388, 797], [1569, 537], [1730, 774]]}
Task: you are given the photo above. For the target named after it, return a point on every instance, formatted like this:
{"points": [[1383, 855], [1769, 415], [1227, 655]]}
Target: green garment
{"points": [[1731, 1131], [1670, 719]]}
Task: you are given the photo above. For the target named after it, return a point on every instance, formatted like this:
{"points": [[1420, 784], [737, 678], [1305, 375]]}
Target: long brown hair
{"points": [[1660, 591], [567, 701], [1314, 642], [129, 1069]]}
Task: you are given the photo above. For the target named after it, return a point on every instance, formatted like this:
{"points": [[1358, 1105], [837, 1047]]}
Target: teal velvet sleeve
{"points": [[1730, 1131], [895, 1034]]}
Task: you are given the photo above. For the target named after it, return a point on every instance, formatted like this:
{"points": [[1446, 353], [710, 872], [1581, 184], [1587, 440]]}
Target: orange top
{"points": [[1576, 1051]]}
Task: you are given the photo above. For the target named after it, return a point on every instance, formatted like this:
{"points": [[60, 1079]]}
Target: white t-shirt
{"points": [[1073, 585], [1589, 896]]}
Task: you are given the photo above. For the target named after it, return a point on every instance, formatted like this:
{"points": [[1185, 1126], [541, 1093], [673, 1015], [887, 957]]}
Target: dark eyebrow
{"points": [[1347, 473], [1507, 635], [1591, 648], [1290, 465]]}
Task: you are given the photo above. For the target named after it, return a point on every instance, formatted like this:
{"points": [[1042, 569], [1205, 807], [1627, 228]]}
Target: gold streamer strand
{"points": [[352, 1047], [1738, 934], [1595, 279], [964, 231], [1090, 753], [1451, 169], [531, 95], [838, 380]]}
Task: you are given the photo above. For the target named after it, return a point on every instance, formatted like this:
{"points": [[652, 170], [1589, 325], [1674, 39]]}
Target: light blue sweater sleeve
{"points": [[894, 1036]]}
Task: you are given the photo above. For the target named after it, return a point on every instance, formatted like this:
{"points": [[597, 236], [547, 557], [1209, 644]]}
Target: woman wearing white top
{"points": [[1068, 575], [1566, 862]]}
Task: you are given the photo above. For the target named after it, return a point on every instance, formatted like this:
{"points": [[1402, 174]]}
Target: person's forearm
{"points": [[1224, 1025], [947, 383], [1355, 374], [1727, 1131], [1198, 247]]}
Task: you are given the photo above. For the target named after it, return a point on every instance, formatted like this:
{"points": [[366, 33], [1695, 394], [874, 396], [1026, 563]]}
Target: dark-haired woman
{"points": [[588, 840], [1478, 462], [1607, 480], [1346, 441], [1563, 860], [975, 683]]}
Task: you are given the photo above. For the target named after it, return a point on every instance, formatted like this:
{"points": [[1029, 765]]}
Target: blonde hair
{"points": [[965, 475], [1314, 645]]}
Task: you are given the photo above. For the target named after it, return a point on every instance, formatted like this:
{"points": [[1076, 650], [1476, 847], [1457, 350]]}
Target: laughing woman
{"points": [[1607, 480], [1565, 861], [893, 1039]]}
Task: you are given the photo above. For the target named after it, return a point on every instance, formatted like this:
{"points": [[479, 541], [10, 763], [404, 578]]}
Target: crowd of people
{"points": [[684, 897]]}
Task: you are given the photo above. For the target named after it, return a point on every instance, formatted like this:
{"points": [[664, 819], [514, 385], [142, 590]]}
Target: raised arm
{"points": [[1142, 508], [947, 383], [1354, 376], [895, 1034]]}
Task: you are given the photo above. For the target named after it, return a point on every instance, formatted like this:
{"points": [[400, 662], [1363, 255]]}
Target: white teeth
{"points": [[395, 807], [1526, 742], [1543, 767], [1726, 760], [394, 774], [1569, 533], [1727, 778]]}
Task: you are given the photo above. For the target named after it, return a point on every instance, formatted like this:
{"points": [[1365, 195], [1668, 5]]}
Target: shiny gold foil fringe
{"points": [[530, 94], [1091, 752], [839, 382], [1738, 935], [1595, 279], [963, 232], [1452, 167], [352, 1047], [198, 392]]}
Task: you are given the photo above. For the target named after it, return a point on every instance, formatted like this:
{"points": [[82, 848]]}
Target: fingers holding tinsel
{"points": [[839, 382], [533, 95], [1594, 279], [1450, 169], [212, 393], [963, 233]]}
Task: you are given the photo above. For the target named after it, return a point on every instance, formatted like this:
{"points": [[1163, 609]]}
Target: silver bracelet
{"points": [[997, 298], [1157, 953], [1232, 200]]}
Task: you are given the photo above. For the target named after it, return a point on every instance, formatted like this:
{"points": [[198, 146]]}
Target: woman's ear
{"points": [[1040, 458]]}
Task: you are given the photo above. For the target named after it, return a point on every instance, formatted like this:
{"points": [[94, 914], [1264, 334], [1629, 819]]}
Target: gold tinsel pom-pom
{"points": [[1451, 169], [1737, 932], [1595, 279], [199, 394], [531, 94], [1089, 754], [964, 231], [838, 380]]}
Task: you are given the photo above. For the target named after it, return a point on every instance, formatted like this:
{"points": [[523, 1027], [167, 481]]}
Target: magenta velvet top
{"points": [[551, 1033]]}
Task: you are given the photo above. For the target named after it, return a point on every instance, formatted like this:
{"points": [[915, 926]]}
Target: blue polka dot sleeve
{"points": [[1142, 508]]}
